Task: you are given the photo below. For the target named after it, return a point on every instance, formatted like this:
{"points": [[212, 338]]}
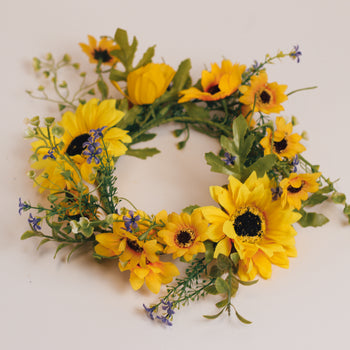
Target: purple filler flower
{"points": [[295, 53], [92, 150], [22, 206], [295, 162], [149, 311], [165, 320], [96, 133], [229, 159], [167, 306], [49, 155], [34, 222], [130, 222]]}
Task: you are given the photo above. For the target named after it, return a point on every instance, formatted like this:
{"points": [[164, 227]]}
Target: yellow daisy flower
{"points": [[149, 82], [154, 274], [267, 96], [296, 188], [100, 52], [285, 144], [93, 115], [184, 234], [252, 224], [217, 84]]}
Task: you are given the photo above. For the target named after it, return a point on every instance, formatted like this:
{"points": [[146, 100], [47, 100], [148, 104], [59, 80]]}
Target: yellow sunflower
{"points": [[252, 224], [154, 274], [100, 52], [124, 240], [184, 234], [267, 96], [296, 188], [98, 116], [285, 144], [217, 84]]}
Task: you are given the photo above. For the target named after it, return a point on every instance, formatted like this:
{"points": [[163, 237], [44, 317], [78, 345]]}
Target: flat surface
{"points": [[49, 304]]}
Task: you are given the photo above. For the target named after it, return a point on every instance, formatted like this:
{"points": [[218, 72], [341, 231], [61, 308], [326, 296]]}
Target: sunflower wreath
{"points": [[269, 187]]}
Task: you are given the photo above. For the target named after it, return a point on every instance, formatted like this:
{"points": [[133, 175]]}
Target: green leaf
{"points": [[196, 111], [235, 258], [42, 242], [233, 284], [221, 303], [117, 75], [245, 283], [181, 145], [189, 210], [142, 153], [209, 251], [346, 210], [126, 53], [215, 272], [239, 129], [29, 234], [61, 246], [147, 57], [129, 117], [261, 166], [316, 198], [221, 285], [212, 317], [181, 76], [229, 146], [102, 86], [219, 166], [241, 318], [61, 107], [211, 290], [178, 132], [144, 137], [313, 219], [338, 198], [223, 262]]}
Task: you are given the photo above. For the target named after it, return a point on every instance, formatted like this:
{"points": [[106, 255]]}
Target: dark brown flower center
{"points": [[102, 55], [265, 97], [292, 189], [134, 246], [76, 146], [185, 238], [213, 89], [247, 225], [280, 145]]}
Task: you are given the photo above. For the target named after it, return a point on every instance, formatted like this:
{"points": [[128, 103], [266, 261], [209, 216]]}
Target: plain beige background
{"points": [[48, 304]]}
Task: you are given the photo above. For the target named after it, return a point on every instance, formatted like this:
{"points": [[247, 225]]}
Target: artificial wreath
{"points": [[270, 184]]}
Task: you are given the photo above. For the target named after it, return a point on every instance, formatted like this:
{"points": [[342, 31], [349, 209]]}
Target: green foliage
{"points": [[189, 210], [312, 219], [126, 55], [142, 153], [29, 234], [219, 166]]}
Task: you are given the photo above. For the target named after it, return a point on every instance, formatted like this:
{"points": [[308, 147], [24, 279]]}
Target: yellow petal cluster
{"points": [[184, 234], [91, 116], [217, 84], [100, 51], [263, 96], [140, 257], [296, 188], [251, 223], [285, 144]]}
